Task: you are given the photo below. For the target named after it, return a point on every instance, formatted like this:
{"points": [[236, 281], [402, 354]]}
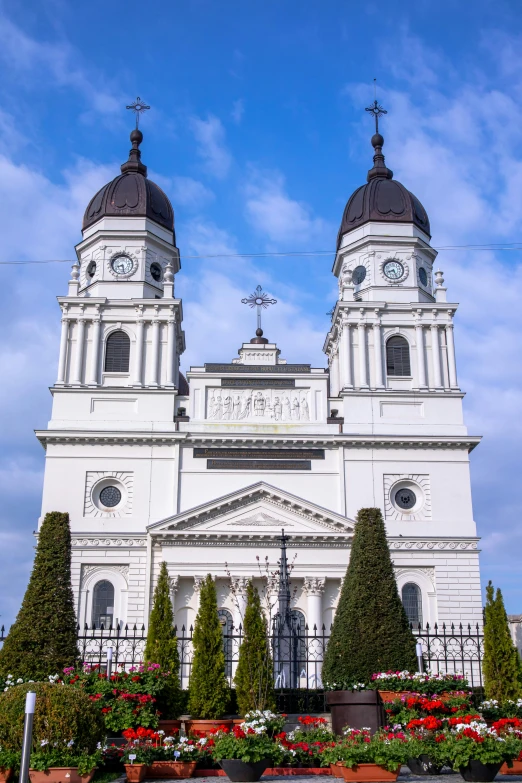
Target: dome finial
{"points": [[379, 168], [134, 162]]}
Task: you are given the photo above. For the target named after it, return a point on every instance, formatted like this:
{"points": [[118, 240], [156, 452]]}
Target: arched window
{"points": [[117, 352], [227, 629], [412, 602], [398, 356], [103, 604]]}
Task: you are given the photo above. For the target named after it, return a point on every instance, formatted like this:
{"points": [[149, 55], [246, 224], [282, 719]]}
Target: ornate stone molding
{"points": [[314, 585], [420, 482], [125, 480], [87, 570], [240, 584], [101, 541]]}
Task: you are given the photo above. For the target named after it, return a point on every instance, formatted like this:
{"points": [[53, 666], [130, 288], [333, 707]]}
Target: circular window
{"points": [[423, 276], [155, 271], [405, 498], [110, 496], [91, 269], [359, 274]]}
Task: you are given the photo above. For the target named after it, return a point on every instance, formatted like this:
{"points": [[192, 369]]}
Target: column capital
{"points": [[173, 584], [314, 585], [239, 584], [198, 581]]}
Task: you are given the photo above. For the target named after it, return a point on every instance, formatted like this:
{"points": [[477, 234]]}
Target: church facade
{"points": [[204, 471]]}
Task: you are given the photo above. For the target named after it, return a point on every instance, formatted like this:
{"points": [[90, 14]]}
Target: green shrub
{"points": [[254, 679], [370, 632], [209, 693], [42, 641], [501, 662], [61, 714]]}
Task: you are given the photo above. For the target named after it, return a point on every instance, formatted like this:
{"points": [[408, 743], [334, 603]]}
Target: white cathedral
{"points": [[204, 471]]}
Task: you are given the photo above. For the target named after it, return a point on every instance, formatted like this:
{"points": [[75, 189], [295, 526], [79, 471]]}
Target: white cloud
{"points": [[238, 109], [210, 135], [274, 214], [190, 193]]}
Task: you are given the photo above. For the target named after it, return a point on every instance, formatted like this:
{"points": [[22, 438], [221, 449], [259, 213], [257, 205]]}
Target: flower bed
{"points": [[493, 709], [425, 683]]}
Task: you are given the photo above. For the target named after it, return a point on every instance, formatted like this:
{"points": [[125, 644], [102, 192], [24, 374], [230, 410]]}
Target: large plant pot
{"points": [[516, 769], [135, 772], [369, 773], [171, 769], [476, 772], [424, 765], [5, 774], [357, 709], [336, 771], [60, 775], [242, 772], [205, 727], [170, 727]]}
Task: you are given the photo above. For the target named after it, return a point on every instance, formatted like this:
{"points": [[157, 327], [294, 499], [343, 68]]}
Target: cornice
{"points": [[82, 540], [81, 437]]}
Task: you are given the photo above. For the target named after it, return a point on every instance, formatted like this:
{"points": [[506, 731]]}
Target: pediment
{"points": [[257, 511]]}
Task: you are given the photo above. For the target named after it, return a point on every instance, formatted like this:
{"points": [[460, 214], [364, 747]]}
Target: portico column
{"points": [[198, 581], [239, 590], [377, 353], [138, 359], [155, 352], [421, 364], [63, 351], [435, 355], [346, 359], [363, 373], [93, 374], [452, 364], [78, 364], [170, 351], [314, 589]]}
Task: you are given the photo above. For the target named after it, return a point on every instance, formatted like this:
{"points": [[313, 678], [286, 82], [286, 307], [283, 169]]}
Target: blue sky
{"points": [[258, 134]]}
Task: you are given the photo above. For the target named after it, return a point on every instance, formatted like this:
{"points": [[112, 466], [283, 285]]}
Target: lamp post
{"points": [[30, 700], [109, 662], [420, 657]]}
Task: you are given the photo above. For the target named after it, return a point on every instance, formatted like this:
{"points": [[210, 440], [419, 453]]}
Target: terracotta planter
{"points": [[424, 765], [206, 727], [171, 769], [59, 775], [242, 772], [516, 769], [170, 727], [5, 774], [136, 772], [335, 769], [357, 709], [392, 695], [369, 773], [476, 772]]}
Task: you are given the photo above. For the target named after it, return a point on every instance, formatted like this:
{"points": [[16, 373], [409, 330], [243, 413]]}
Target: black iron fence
{"points": [[446, 648]]}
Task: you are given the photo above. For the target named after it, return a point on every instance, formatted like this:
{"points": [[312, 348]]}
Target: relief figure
{"points": [[305, 412]]}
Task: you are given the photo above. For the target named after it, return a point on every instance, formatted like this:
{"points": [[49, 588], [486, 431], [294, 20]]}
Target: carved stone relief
{"points": [[255, 405]]}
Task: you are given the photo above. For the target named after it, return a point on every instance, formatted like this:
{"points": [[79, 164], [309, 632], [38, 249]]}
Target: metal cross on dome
{"points": [[375, 108], [260, 300], [138, 107]]}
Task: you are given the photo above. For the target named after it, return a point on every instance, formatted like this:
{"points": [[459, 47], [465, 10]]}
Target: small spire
{"points": [[134, 162], [379, 168]]}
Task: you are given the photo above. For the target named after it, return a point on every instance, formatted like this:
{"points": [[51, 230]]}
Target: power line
{"points": [[288, 253]]}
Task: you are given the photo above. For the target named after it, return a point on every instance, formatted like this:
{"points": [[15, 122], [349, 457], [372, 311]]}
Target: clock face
{"points": [[393, 270], [122, 265]]}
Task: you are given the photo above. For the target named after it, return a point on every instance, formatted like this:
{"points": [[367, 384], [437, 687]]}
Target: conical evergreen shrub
{"points": [[162, 645], [209, 693], [370, 632], [501, 663], [254, 679], [42, 640]]}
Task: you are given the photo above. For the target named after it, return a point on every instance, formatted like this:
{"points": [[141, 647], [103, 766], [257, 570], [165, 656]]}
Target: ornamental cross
{"points": [[260, 300], [138, 107], [375, 108]]}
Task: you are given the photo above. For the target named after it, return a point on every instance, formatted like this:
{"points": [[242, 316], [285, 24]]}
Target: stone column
{"points": [[198, 581], [171, 350], [63, 351], [239, 589], [421, 363], [78, 363], [363, 373], [155, 352], [452, 364], [138, 359], [334, 373], [377, 352], [314, 589], [435, 356], [95, 357], [345, 345]]}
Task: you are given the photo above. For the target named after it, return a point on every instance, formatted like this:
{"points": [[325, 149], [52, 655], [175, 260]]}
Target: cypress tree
{"points": [[255, 672], [42, 640], [370, 632], [209, 692], [162, 644], [501, 664]]}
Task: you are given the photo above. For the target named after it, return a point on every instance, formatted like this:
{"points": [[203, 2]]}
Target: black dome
{"points": [[382, 199], [131, 194]]}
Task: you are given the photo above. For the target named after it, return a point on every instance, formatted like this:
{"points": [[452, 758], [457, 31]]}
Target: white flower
{"points": [[99, 746], [19, 680], [160, 732], [177, 754], [70, 743], [43, 743]]}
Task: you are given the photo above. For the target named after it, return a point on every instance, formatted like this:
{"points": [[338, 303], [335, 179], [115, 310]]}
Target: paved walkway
{"points": [[404, 777]]}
